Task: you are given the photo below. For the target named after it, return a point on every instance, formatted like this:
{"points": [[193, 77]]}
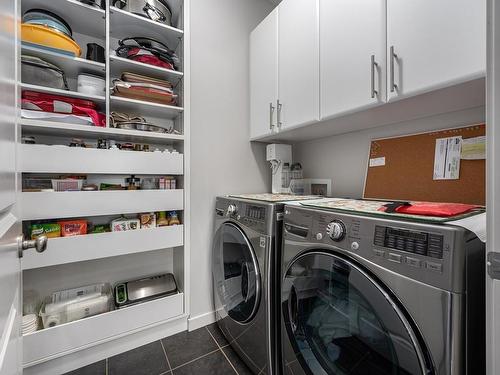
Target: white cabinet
{"points": [[436, 43], [351, 32], [264, 76], [298, 66]]}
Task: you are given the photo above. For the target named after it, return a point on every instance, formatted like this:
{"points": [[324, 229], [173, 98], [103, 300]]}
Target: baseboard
{"points": [[201, 320], [98, 352]]}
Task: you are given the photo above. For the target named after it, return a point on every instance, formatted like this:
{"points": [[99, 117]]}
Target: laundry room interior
{"points": [[267, 187]]}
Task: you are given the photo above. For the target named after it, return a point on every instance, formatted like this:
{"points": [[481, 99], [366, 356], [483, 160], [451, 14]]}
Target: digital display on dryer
{"points": [[255, 212], [422, 243]]}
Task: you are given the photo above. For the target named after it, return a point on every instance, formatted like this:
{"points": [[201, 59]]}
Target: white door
{"points": [[10, 273], [298, 62], [493, 192], [264, 76], [435, 44], [352, 55]]}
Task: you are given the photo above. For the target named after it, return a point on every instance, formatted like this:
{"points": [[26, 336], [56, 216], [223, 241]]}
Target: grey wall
{"points": [[344, 158], [222, 159]]}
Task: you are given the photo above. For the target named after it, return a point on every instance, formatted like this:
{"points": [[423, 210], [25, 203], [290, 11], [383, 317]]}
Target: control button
{"points": [[238, 217], [414, 262], [437, 267], [379, 253], [336, 230], [232, 209], [354, 246], [396, 258], [319, 236]]}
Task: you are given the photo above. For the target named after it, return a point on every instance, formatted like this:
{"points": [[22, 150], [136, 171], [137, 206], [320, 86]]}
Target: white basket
{"points": [[68, 184]]}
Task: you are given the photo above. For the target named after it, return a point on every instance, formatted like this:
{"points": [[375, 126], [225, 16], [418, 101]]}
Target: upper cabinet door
{"points": [[298, 67], [352, 55], [264, 76], [435, 44]]}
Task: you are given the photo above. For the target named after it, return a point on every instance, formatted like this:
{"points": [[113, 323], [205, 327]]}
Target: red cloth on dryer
{"points": [[433, 209]]}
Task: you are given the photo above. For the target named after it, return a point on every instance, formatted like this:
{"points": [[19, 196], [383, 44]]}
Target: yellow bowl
{"points": [[38, 34]]}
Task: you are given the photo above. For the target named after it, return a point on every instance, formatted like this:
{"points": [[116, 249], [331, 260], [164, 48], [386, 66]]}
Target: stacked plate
{"points": [[30, 323]]}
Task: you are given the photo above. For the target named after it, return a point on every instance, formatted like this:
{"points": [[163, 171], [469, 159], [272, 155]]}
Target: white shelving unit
{"points": [[54, 342], [97, 161], [125, 24], [103, 245], [120, 64], [140, 106], [72, 66], [50, 205], [83, 19], [100, 100], [49, 128], [129, 254]]}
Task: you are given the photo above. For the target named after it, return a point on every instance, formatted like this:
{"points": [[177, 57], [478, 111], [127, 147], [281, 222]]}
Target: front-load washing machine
{"points": [[370, 295], [245, 257]]}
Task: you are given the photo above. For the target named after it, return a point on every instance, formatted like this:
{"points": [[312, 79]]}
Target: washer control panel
{"points": [[336, 230]]}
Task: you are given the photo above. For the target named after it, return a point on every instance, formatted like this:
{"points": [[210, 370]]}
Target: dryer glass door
{"points": [[339, 320], [236, 273]]}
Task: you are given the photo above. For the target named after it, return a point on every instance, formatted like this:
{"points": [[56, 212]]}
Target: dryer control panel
{"points": [[417, 242]]}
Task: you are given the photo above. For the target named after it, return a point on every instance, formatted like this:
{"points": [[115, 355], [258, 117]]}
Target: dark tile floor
{"points": [[204, 351]]}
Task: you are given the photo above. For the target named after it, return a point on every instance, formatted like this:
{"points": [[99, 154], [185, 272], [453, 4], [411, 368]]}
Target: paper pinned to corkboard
{"points": [[407, 170]]}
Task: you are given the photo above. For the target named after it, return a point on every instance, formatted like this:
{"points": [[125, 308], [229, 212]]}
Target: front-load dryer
{"points": [[372, 296]]}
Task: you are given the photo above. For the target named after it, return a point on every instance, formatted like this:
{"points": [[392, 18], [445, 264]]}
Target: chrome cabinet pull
{"points": [[374, 66], [279, 107], [271, 114], [392, 57], [39, 244]]}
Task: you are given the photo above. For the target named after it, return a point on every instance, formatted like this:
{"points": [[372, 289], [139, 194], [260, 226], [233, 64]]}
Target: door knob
{"points": [[39, 244]]}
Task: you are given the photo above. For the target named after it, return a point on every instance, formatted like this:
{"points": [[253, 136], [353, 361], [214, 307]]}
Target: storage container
{"points": [[91, 85], [67, 184], [45, 18], [74, 304], [36, 71], [45, 36]]}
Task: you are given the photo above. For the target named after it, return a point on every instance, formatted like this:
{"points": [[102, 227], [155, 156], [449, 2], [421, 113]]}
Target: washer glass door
{"points": [[339, 320], [236, 273]]}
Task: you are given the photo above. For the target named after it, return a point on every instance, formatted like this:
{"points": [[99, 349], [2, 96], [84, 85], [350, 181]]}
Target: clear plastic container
{"points": [[74, 304]]}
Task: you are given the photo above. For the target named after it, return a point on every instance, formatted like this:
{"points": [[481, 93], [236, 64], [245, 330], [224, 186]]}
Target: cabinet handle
{"points": [[279, 107], [392, 57], [271, 114], [373, 65]]}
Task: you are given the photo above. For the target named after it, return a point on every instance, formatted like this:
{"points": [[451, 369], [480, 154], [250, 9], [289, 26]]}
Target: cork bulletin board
{"points": [[402, 168]]}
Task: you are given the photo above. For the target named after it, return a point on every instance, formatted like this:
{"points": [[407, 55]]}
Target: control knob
{"points": [[232, 209], [336, 230]]}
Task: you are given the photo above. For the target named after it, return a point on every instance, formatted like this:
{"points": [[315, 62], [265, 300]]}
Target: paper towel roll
{"points": [[52, 321]]}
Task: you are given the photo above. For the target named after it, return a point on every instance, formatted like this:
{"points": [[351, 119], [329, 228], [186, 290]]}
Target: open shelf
{"points": [[144, 108], [44, 159], [50, 128], [64, 250], [83, 19], [121, 64], [49, 205], [54, 342], [72, 66], [125, 24], [100, 100]]}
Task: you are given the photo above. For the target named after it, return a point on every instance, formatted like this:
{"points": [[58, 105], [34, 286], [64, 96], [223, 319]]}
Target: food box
{"points": [[122, 224], [49, 230], [71, 228], [148, 220]]}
